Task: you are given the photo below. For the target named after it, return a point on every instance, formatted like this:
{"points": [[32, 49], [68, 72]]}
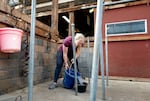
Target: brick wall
{"points": [[11, 66]]}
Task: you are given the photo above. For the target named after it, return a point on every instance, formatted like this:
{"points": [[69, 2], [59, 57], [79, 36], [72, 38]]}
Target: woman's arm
{"points": [[65, 52]]}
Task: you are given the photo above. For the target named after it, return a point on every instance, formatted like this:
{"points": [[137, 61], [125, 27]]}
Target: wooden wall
{"points": [[129, 54]]}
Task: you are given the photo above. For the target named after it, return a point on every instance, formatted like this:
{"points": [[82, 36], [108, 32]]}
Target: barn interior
{"points": [[51, 28]]}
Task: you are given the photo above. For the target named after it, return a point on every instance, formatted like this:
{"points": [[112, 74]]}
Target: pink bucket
{"points": [[10, 40]]}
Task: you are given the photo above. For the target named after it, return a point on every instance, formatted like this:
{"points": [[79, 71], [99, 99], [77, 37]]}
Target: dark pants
{"points": [[59, 64]]}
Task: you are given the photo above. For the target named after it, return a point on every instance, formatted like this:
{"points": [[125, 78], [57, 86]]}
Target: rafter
{"points": [[45, 4], [88, 5], [63, 10]]}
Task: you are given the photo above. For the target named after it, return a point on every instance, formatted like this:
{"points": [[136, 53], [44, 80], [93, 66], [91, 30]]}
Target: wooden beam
{"points": [[54, 18], [46, 13], [48, 4], [45, 4]]}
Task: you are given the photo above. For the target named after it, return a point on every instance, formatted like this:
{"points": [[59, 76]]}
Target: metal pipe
{"points": [[74, 57], [31, 53], [101, 48], [74, 53], [102, 67], [106, 57], [88, 42], [97, 46]]}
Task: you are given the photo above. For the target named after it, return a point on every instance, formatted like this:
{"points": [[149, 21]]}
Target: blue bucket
{"points": [[69, 77]]}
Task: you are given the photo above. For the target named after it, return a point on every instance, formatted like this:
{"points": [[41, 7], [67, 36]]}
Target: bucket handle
{"points": [[70, 67]]}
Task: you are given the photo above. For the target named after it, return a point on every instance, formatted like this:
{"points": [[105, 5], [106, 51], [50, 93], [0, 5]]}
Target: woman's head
{"points": [[79, 39]]}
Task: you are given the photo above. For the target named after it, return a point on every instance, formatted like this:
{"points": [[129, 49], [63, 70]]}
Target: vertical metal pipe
{"points": [[31, 53], [106, 57], [97, 46], [74, 57], [100, 7], [89, 69]]}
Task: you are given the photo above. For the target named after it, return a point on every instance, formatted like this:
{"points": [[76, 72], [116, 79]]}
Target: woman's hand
{"points": [[66, 65]]}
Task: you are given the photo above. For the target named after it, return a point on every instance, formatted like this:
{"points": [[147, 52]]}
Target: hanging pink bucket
{"points": [[10, 40]]}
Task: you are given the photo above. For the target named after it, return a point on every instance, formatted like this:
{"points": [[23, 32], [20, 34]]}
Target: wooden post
{"points": [[54, 18], [71, 17]]}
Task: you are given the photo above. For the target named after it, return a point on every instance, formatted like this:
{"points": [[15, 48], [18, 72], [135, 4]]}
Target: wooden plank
{"points": [[48, 4], [46, 13], [54, 18]]}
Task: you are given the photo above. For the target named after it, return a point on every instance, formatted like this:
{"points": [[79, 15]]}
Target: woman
{"points": [[65, 55]]}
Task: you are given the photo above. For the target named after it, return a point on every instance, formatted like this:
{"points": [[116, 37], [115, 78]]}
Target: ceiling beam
{"points": [[64, 10], [88, 5], [45, 4]]}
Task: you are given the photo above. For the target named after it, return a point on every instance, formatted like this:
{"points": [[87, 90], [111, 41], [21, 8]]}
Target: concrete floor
{"points": [[117, 91]]}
